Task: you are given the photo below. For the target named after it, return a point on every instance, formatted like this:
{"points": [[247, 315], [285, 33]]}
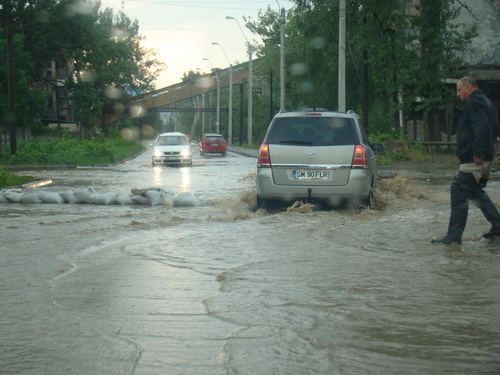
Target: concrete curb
{"points": [[250, 152]]}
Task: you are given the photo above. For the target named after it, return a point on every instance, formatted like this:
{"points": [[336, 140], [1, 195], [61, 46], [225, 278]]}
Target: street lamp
{"points": [[217, 78], [230, 119], [250, 83], [199, 70]]}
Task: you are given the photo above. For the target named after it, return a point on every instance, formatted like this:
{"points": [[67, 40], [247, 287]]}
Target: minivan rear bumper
{"points": [[357, 189]]}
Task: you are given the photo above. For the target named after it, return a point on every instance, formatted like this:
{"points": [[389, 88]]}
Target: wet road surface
{"points": [[222, 289]]}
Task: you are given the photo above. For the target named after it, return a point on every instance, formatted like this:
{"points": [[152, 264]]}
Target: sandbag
{"points": [[159, 197], [187, 200], [70, 197], [85, 196], [124, 200], [13, 196], [105, 198], [141, 199], [154, 196], [136, 191], [30, 198], [167, 199], [51, 197]]}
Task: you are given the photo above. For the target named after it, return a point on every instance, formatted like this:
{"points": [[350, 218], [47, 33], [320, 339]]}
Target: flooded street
{"points": [[222, 289]]}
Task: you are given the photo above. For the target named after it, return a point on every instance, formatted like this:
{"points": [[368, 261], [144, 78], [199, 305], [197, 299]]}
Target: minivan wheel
{"points": [[265, 204], [261, 203], [368, 202]]}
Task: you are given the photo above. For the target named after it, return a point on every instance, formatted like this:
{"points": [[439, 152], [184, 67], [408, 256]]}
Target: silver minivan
{"points": [[316, 155]]}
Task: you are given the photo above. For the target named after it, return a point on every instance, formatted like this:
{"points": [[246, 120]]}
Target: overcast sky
{"points": [[183, 31]]}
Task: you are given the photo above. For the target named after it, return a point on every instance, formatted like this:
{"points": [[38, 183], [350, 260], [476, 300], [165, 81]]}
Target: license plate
{"points": [[309, 175], [171, 158]]}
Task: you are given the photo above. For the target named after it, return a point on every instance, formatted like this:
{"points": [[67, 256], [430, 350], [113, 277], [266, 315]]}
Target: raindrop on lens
{"points": [[137, 111], [204, 82], [129, 134], [298, 68], [306, 86], [113, 92], [88, 76], [318, 42]]}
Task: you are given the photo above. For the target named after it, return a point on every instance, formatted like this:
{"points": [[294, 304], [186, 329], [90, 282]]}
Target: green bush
{"points": [[8, 179], [415, 151], [71, 151]]}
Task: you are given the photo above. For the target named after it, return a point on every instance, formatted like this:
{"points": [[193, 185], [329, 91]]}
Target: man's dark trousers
{"points": [[464, 188]]}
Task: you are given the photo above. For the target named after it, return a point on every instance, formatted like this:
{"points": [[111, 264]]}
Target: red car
{"points": [[213, 143]]}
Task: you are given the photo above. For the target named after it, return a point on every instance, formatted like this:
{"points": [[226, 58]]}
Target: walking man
{"points": [[476, 134]]}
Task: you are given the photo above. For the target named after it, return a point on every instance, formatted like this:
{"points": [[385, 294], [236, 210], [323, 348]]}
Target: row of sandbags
{"points": [[150, 197]]}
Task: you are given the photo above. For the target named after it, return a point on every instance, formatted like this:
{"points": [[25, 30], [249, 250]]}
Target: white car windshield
{"points": [[171, 141]]}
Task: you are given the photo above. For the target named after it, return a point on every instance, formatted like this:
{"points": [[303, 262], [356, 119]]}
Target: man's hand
{"points": [[478, 161]]}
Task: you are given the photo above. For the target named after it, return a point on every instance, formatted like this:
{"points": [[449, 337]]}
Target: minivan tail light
{"points": [[264, 159], [359, 159]]}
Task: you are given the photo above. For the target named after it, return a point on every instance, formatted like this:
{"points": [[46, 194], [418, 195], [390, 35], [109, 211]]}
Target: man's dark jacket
{"points": [[474, 131]]}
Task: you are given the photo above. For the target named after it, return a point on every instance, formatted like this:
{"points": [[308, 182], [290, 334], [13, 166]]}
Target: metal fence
{"points": [[21, 133]]}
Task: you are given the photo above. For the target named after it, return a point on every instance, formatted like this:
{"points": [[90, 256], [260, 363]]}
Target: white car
{"points": [[172, 148], [316, 155]]}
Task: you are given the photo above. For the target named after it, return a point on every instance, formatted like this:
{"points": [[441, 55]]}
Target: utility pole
{"points": [[10, 76], [203, 114], [342, 104], [217, 124], [250, 95], [271, 109], [217, 79], [230, 118], [282, 61], [365, 82]]}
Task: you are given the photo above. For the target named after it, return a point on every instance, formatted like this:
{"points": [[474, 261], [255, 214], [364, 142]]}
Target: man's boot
{"points": [[490, 212], [456, 226]]}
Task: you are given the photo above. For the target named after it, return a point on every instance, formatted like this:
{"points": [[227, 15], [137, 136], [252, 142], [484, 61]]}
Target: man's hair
{"points": [[469, 80]]}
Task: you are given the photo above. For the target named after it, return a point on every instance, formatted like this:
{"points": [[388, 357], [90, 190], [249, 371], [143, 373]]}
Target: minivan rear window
{"points": [[316, 131]]}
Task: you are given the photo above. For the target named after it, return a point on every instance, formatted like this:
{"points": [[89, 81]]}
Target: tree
{"points": [[109, 61], [440, 43], [110, 64], [30, 102], [395, 57]]}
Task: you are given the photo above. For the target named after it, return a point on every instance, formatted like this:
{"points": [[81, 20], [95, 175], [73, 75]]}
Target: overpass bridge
{"points": [[161, 99]]}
